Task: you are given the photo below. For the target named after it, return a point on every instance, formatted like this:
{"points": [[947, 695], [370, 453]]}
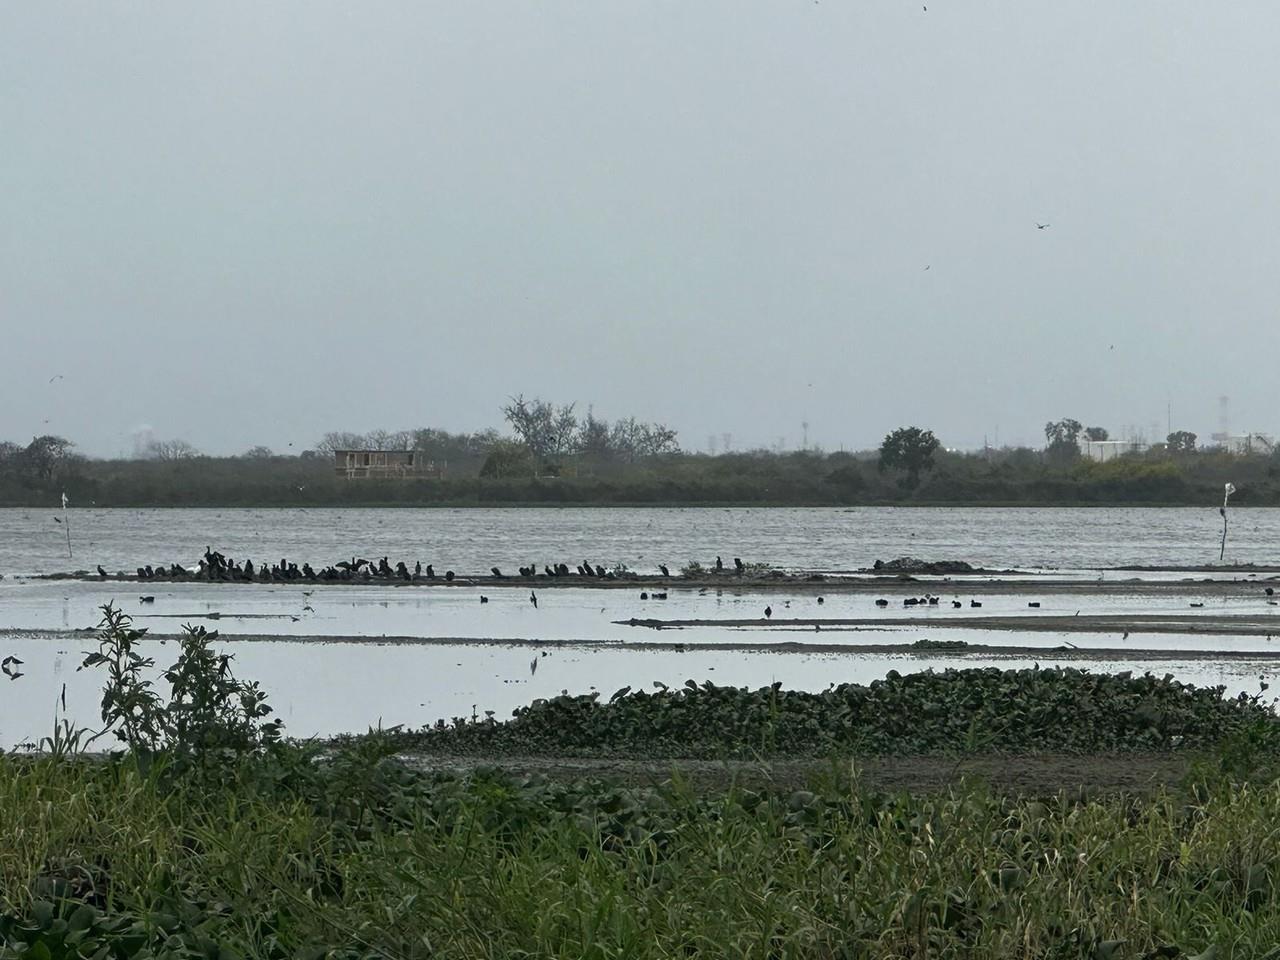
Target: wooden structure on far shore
{"points": [[385, 465]]}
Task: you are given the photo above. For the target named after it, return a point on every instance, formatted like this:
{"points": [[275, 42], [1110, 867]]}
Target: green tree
{"points": [[1096, 433], [910, 449], [47, 457], [1181, 441], [1063, 438], [507, 459]]}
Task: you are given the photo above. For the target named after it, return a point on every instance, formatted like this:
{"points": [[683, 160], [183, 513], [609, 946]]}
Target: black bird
{"points": [[431, 572], [663, 568], [496, 573], [548, 571], [974, 603], [102, 573], [719, 564], [882, 602], [820, 600], [1041, 226], [600, 572], [1268, 591], [768, 612], [146, 599], [644, 595], [483, 598], [448, 575], [737, 562], [417, 569], [955, 603], [533, 598]]}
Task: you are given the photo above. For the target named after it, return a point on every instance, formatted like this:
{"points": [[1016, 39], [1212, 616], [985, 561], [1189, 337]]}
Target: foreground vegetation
{"points": [[210, 837], [1060, 710]]}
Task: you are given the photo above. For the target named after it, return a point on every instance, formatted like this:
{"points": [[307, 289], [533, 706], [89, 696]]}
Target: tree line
{"points": [[553, 455]]}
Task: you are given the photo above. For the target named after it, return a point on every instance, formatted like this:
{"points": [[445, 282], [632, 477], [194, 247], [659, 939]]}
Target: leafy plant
{"points": [[209, 712]]}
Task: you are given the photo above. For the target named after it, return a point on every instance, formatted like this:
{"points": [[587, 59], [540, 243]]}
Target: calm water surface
{"points": [[473, 540]]}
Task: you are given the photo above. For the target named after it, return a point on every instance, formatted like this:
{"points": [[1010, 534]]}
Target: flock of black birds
{"points": [[216, 567]]}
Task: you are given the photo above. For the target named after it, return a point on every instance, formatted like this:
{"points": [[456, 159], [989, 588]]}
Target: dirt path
{"points": [[1039, 775]]}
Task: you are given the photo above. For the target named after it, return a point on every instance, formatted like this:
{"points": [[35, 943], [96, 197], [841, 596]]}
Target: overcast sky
{"points": [[250, 223]]}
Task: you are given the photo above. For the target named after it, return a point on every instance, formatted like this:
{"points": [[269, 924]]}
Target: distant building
{"points": [[384, 465], [1245, 444], [1104, 450]]}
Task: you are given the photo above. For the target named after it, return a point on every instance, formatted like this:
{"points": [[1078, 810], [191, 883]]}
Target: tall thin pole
{"points": [[1226, 495], [66, 522]]}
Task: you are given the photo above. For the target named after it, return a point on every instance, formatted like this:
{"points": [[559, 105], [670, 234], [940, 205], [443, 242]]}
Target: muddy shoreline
{"points": [[979, 651]]}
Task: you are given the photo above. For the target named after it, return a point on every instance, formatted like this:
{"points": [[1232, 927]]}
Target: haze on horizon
{"points": [[246, 223]]}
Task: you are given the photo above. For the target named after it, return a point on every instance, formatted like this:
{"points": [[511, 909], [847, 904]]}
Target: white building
{"points": [[1104, 450]]}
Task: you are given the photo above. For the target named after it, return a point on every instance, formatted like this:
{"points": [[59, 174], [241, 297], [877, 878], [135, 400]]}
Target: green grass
{"points": [[210, 838], [287, 857]]}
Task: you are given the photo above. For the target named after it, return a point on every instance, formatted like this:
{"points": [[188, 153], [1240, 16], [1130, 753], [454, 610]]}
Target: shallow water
{"points": [[378, 611], [329, 688], [352, 679], [475, 539]]}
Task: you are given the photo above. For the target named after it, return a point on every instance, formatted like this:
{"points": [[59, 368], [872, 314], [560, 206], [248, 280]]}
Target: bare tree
{"points": [[547, 430], [171, 450], [340, 440]]}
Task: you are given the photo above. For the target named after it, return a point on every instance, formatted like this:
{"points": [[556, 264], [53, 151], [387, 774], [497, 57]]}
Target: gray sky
{"points": [[247, 223]]}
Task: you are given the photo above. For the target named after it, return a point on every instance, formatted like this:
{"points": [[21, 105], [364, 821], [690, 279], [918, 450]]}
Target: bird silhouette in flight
{"points": [[1041, 226]]}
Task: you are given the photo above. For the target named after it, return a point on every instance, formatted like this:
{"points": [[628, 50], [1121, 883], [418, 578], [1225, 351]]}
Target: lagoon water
{"points": [[474, 539], [326, 659]]}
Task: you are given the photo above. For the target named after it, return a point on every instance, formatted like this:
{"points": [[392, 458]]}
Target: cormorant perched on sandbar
{"points": [[768, 612], [737, 562], [663, 568], [496, 573], [719, 564], [448, 575], [431, 572], [417, 569], [102, 573]]}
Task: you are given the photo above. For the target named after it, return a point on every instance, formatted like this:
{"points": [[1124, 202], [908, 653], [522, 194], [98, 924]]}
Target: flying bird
{"points": [[1041, 226], [56, 376], [533, 598], [533, 667]]}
